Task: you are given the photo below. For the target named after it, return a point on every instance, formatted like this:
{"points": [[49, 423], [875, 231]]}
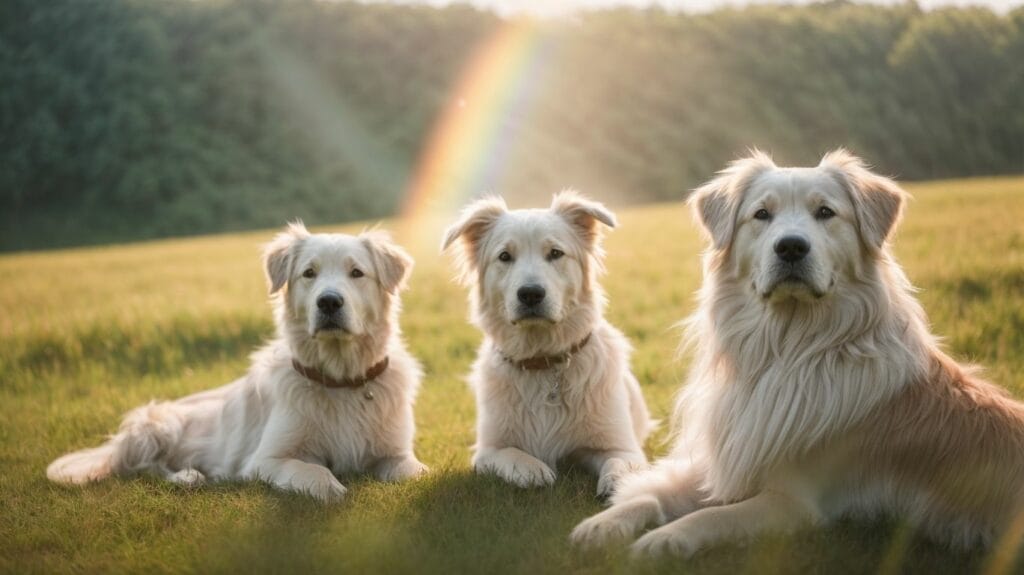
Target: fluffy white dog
{"points": [[817, 390], [332, 394], [552, 377]]}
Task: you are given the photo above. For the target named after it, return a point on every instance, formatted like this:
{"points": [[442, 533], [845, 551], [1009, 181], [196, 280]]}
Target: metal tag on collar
{"points": [[555, 394]]}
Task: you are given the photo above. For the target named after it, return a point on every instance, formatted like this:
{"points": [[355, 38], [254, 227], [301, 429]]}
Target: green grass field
{"points": [[87, 334]]}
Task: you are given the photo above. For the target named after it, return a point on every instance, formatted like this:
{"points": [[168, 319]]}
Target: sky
{"points": [[561, 7]]}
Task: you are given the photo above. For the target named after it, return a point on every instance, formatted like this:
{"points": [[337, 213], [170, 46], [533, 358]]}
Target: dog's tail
{"points": [[82, 466], [146, 435]]}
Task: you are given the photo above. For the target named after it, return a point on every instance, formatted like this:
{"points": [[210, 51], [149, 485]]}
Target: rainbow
{"points": [[465, 151]]}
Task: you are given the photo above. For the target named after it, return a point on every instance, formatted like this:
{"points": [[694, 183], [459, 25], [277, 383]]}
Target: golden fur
{"points": [[590, 408], [822, 394], [273, 424]]}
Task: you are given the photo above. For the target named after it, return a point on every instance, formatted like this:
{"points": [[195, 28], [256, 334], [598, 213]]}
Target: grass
{"points": [[87, 334]]}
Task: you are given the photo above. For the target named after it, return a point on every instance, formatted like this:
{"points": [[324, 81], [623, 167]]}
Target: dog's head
{"points": [[530, 268], [796, 233], [334, 286]]}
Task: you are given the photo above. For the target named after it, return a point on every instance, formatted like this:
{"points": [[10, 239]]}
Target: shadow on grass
{"points": [[457, 522], [451, 521], [454, 521], [160, 349], [996, 281]]}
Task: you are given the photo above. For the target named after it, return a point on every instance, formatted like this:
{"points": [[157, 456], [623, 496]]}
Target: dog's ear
{"points": [[473, 224], [474, 221], [878, 201], [279, 253], [715, 203], [393, 264], [582, 214]]}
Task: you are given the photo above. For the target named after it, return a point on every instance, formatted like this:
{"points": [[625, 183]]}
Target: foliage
{"points": [[127, 119]]}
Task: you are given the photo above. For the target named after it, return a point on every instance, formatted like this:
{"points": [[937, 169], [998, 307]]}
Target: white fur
{"points": [[274, 424], [599, 416], [820, 398]]}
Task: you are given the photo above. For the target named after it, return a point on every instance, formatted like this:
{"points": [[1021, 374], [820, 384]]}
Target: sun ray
{"points": [[465, 151]]}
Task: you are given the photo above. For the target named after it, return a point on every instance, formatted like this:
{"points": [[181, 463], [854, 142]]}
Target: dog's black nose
{"points": [[792, 248], [531, 294], [330, 302]]}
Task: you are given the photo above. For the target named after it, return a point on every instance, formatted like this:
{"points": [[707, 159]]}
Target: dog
{"points": [[552, 377], [331, 394], [817, 391]]}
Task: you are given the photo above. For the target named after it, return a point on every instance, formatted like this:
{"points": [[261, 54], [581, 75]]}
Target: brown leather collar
{"points": [[320, 377], [540, 362]]}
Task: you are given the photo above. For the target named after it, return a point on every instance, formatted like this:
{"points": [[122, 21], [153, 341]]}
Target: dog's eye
{"points": [[356, 273], [309, 273], [762, 214], [504, 257], [824, 213], [555, 253]]}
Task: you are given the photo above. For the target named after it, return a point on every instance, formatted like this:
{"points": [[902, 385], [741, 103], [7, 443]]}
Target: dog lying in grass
{"points": [[817, 390], [332, 394], [552, 377]]}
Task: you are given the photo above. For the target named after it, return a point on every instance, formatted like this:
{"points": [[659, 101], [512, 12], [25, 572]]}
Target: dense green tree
{"points": [[127, 119]]}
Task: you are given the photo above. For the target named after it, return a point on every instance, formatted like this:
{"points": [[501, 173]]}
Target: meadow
{"points": [[86, 334]]}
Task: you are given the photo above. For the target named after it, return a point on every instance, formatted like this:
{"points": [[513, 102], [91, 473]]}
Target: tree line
{"points": [[131, 119]]}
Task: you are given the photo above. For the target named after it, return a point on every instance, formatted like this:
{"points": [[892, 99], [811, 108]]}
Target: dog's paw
{"points": [[187, 478], [409, 468], [526, 471], [669, 540], [319, 483], [601, 530], [606, 485], [613, 472]]}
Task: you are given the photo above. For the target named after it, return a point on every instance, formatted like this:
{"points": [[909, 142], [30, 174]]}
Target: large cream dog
{"points": [[332, 394], [817, 390], [552, 377]]}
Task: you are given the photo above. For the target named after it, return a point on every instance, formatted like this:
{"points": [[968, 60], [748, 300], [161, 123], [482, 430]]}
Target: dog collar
{"points": [[541, 362], [315, 375]]}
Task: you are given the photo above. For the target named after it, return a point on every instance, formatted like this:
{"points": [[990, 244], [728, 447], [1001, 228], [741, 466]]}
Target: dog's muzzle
{"points": [[792, 249], [330, 323], [792, 277], [330, 314], [531, 304], [531, 314]]}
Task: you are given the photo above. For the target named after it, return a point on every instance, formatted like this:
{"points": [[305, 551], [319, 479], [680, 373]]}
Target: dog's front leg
{"points": [[767, 512], [275, 461], [301, 476], [514, 465], [611, 467], [399, 468], [650, 497]]}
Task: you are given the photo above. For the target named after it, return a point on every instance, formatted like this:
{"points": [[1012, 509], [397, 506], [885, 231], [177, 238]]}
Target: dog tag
{"points": [[553, 398]]}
